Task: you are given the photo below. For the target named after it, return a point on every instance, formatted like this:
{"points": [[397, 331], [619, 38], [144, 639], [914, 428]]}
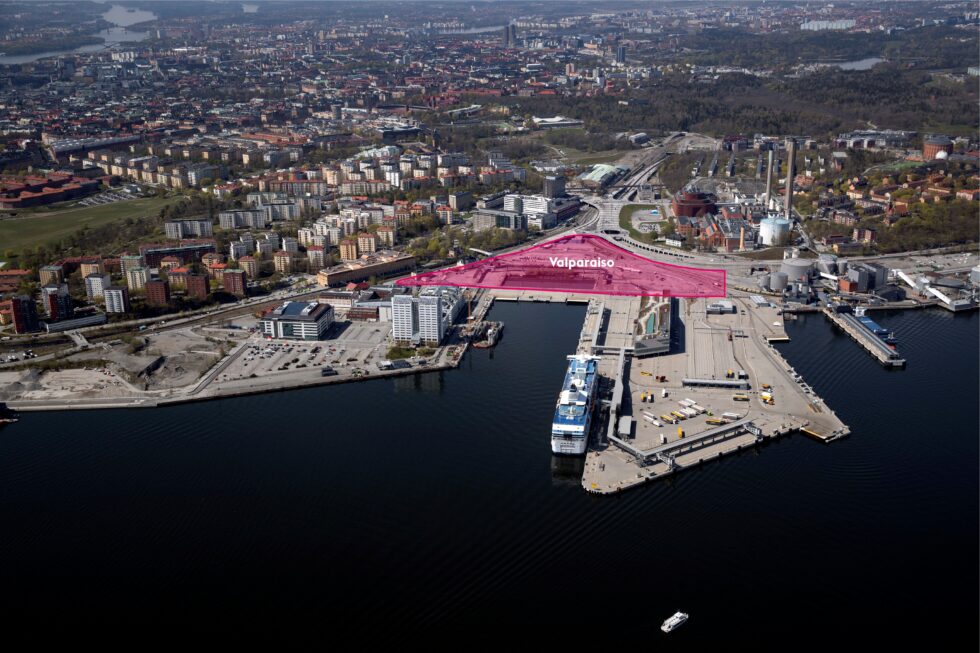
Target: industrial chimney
{"points": [[769, 180], [790, 174]]}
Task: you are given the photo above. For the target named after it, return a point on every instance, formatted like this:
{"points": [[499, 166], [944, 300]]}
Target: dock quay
{"points": [[713, 394], [869, 341], [652, 464]]}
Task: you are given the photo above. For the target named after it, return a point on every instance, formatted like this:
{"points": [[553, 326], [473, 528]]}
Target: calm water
{"points": [[434, 499], [117, 15], [126, 16], [860, 64], [857, 64]]}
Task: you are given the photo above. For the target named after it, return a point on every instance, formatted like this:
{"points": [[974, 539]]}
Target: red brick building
{"points": [[22, 312], [198, 286], [234, 282], [157, 292], [933, 146], [35, 191], [692, 204]]}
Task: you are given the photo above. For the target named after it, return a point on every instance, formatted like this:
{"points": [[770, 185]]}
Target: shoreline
{"points": [[28, 405], [25, 406]]}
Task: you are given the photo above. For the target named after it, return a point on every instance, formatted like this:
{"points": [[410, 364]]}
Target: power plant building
{"points": [[774, 231]]}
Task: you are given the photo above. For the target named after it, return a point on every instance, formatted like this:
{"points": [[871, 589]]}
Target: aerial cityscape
{"points": [[429, 313]]}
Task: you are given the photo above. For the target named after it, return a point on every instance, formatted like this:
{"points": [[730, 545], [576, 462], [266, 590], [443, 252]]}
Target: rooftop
{"points": [[303, 311]]}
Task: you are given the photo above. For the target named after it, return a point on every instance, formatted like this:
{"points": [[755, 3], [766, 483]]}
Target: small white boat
{"points": [[673, 622]]}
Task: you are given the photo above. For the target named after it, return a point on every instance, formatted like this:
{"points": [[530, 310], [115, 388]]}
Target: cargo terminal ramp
{"points": [[578, 263]]}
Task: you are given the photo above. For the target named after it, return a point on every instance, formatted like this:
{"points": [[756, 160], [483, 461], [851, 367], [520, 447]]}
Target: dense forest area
{"points": [[934, 47], [931, 225], [819, 104], [437, 245], [928, 225]]}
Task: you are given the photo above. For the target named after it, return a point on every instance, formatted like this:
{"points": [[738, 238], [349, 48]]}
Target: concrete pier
{"points": [[869, 341], [734, 349]]}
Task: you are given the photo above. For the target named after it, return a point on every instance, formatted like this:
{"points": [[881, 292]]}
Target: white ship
{"points": [[573, 414], [673, 622]]}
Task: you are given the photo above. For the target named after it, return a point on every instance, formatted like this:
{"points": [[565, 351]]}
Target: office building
{"points": [[376, 265], [461, 201], [93, 319], [117, 299], [554, 187], [298, 321], [492, 218], [157, 292], [621, 54]]}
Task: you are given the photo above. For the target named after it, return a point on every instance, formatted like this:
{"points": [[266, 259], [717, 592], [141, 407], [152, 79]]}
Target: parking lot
{"points": [[106, 198], [349, 347]]}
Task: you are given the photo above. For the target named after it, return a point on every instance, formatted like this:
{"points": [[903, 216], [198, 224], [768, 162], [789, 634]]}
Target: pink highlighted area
{"points": [[579, 263]]}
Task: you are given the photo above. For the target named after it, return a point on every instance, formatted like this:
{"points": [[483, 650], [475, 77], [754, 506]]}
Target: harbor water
{"points": [[119, 16], [435, 500]]}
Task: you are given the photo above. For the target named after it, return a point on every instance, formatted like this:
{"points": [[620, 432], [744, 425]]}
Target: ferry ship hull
{"points": [[572, 423], [567, 446]]}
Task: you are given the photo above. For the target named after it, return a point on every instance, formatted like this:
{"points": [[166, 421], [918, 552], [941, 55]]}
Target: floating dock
{"points": [[871, 343]]}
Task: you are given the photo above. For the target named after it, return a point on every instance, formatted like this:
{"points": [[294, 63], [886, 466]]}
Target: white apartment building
{"points": [[426, 318], [116, 299], [95, 285], [237, 249], [136, 278]]}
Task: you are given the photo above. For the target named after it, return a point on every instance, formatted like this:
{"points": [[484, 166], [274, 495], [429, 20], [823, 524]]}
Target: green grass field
{"points": [[30, 229], [626, 213], [592, 158]]}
